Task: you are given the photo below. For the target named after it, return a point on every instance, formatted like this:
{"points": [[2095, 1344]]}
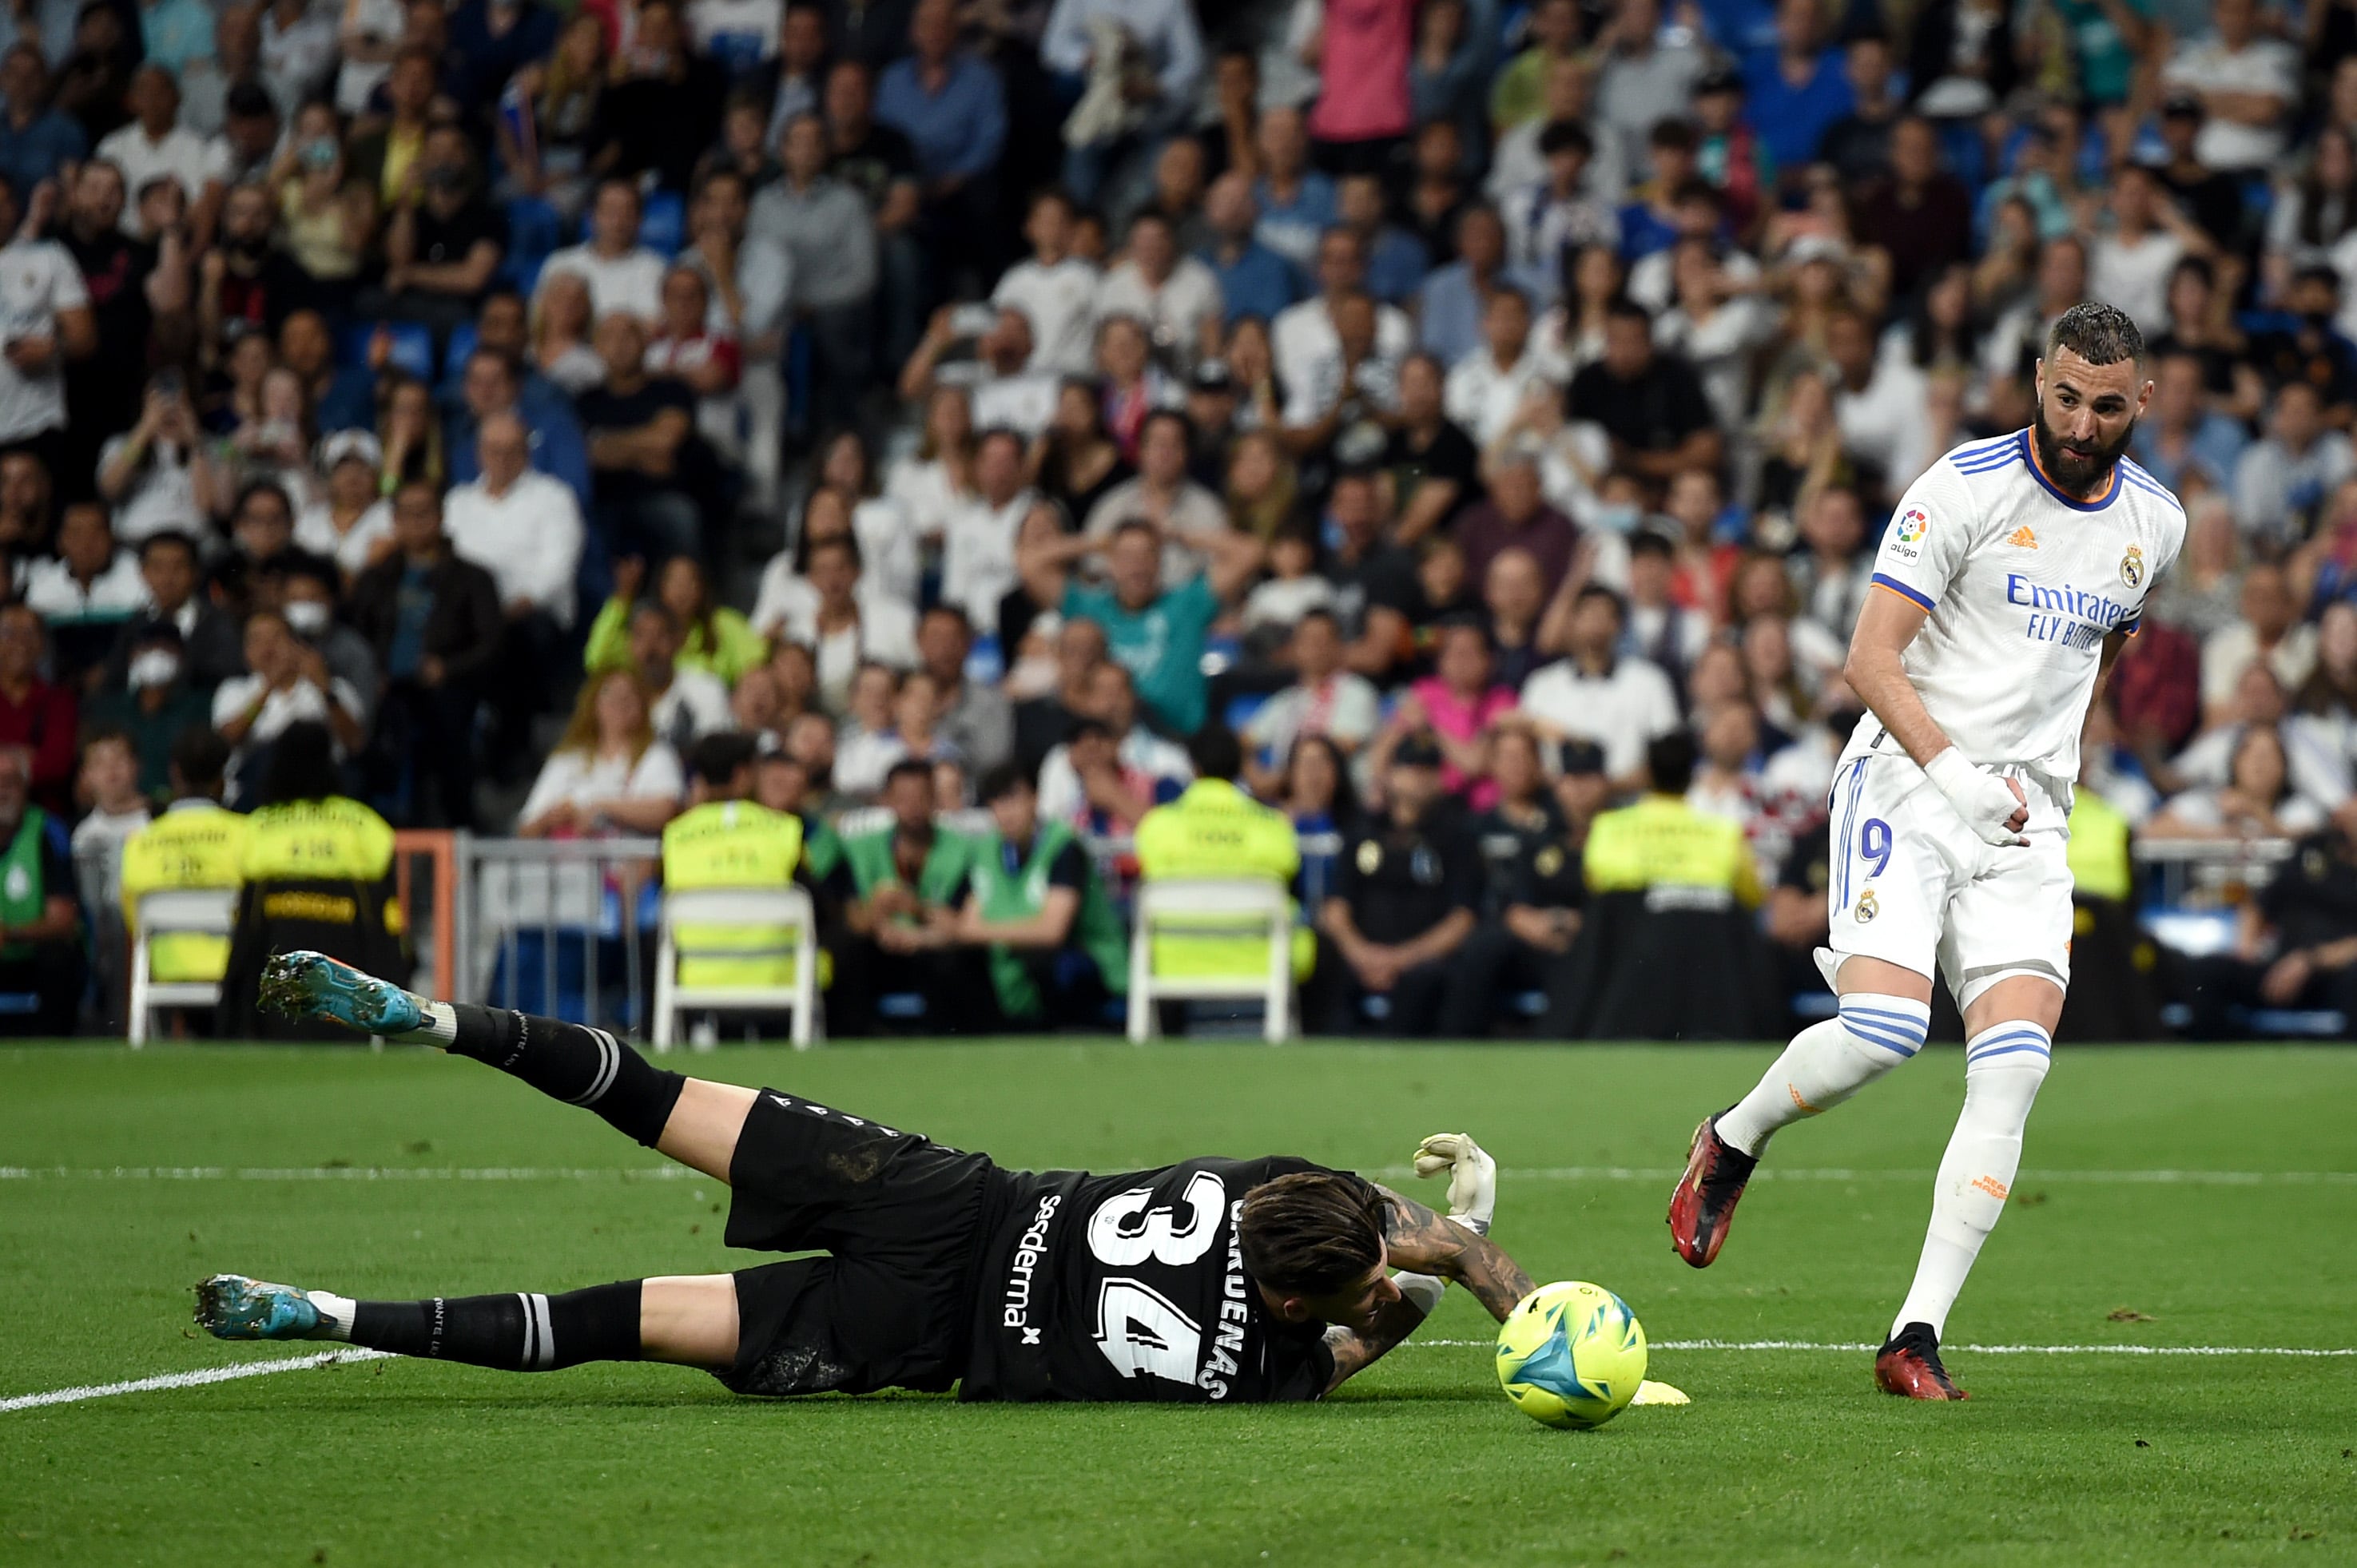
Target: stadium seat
{"points": [[455, 351], [662, 226], [1258, 906], [412, 345], [535, 230], [209, 911], [788, 907]]}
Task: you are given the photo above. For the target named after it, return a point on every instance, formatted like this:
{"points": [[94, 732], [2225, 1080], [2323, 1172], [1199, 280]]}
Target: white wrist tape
{"points": [[1423, 1291]]}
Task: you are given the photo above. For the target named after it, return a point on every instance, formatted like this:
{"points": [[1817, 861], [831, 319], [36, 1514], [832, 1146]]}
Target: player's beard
{"points": [[2078, 475]]}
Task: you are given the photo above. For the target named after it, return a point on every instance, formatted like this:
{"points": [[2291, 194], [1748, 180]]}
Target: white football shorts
{"points": [[1911, 884]]}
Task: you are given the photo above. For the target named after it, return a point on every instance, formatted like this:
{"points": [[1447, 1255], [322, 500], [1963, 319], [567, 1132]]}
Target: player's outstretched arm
{"points": [[1419, 1240]]}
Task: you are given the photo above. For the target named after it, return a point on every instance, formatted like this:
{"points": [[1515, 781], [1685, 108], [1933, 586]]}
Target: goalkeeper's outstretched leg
{"points": [[691, 1120]]}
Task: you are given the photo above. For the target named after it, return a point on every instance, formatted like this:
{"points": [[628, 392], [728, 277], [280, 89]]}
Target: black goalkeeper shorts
{"points": [[905, 1220]]}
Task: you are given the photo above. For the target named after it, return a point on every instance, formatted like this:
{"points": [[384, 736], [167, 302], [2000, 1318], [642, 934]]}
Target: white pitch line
{"points": [[1747, 1345], [1537, 1173], [198, 1378], [192, 1379]]}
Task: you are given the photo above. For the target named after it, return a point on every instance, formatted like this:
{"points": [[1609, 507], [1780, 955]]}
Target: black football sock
{"points": [[515, 1333], [568, 1062]]}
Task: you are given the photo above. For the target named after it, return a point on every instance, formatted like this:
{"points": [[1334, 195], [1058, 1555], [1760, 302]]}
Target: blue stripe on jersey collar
{"points": [[2029, 450]]}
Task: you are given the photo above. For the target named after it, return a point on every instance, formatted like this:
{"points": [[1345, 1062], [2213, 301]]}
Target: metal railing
{"points": [[2180, 874], [565, 928]]}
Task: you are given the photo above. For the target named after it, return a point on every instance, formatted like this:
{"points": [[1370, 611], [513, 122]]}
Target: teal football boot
{"points": [[304, 985], [230, 1306]]}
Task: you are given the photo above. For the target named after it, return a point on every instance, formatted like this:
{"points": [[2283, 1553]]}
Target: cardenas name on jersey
{"points": [[2020, 582], [1134, 1287]]}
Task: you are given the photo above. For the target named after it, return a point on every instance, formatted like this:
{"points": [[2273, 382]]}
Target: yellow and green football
{"points": [[1571, 1355]]}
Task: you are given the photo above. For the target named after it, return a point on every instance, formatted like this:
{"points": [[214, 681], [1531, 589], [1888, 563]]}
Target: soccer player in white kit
{"points": [[2010, 578]]}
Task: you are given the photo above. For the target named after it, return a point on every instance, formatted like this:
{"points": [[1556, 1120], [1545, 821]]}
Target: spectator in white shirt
{"points": [[2130, 264], [2281, 484], [2246, 81], [689, 702], [155, 144], [1055, 290], [1878, 402], [1307, 347], [608, 774], [525, 528], [286, 681], [1176, 295], [91, 583], [521, 526], [622, 274], [1164, 495], [158, 476], [1001, 387], [979, 546], [1143, 768], [1558, 213], [1621, 704], [1326, 700], [45, 317], [2270, 632], [1486, 388], [826, 610]]}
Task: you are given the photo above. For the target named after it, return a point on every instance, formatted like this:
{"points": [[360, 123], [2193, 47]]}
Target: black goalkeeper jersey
{"points": [[1132, 1287]]}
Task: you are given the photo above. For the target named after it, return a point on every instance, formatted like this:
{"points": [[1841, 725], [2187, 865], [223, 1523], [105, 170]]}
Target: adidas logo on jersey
{"points": [[2022, 539]]}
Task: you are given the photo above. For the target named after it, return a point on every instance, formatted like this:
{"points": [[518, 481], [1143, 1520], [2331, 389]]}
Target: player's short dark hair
{"points": [[907, 768], [1215, 753], [718, 759], [167, 538], [1670, 762], [1311, 1233], [200, 757], [2098, 333], [1003, 781], [1566, 136]]}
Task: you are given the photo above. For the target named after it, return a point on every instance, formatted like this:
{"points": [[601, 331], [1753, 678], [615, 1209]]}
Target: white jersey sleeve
{"points": [[1926, 542]]}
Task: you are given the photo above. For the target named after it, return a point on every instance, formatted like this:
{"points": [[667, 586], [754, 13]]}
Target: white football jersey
{"points": [[2022, 582]]}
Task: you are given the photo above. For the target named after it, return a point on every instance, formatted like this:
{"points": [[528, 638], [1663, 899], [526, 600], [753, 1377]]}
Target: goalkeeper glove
{"points": [[1472, 1177]]}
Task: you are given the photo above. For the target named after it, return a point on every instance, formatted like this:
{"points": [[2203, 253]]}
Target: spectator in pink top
{"points": [[1457, 704], [1366, 109]]}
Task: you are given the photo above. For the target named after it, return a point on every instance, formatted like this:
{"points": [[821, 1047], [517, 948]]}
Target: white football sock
{"points": [[335, 1314], [439, 1028], [1826, 1063], [2003, 1067]]}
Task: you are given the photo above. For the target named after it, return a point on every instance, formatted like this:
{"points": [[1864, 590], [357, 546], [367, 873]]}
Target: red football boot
{"points": [[1703, 1203], [1909, 1366]]}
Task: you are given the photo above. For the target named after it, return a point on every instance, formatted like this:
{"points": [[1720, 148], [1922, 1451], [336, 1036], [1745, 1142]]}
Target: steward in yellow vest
{"points": [[725, 839], [1662, 842], [196, 844], [318, 869], [1215, 830]]}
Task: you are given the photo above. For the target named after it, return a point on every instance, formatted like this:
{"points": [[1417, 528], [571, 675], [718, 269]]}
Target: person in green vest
{"points": [[196, 844], [713, 637], [41, 963], [1055, 945], [1661, 842], [900, 884], [1215, 830], [725, 839]]}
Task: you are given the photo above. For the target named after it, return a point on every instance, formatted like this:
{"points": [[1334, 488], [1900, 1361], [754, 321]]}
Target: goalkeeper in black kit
{"points": [[1212, 1281]]}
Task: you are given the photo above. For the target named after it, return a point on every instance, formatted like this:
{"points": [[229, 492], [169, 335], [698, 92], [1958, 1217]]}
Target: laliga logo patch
{"points": [[1907, 534], [1867, 907], [2132, 567]]}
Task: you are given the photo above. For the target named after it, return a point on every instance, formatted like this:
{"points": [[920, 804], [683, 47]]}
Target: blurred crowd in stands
{"points": [[528, 391]]}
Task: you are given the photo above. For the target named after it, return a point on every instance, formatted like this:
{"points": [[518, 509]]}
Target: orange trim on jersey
{"points": [[2110, 490], [1887, 589]]}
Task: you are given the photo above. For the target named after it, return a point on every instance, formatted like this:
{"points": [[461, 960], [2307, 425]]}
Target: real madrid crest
{"points": [[1867, 907], [2132, 567], [1371, 856]]}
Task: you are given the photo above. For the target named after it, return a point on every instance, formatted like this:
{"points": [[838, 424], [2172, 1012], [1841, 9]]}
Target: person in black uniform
{"points": [[1531, 853], [1212, 1281], [1405, 896], [2295, 947]]}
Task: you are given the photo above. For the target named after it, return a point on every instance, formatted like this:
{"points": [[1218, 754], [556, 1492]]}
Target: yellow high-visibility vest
{"points": [[196, 844], [1214, 829], [733, 844]]}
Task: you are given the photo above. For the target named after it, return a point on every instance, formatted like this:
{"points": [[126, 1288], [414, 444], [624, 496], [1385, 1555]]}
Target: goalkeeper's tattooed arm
{"points": [[1419, 1240]]}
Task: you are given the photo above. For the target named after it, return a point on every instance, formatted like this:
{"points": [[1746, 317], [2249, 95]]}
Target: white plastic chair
{"points": [[175, 911], [1200, 902], [788, 907]]}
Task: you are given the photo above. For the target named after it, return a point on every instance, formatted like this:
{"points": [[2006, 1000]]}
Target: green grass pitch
{"points": [[1785, 1456]]}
